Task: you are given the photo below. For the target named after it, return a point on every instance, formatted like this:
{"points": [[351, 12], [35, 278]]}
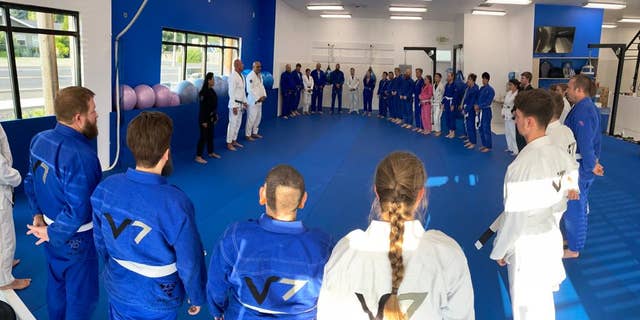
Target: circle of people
{"points": [[143, 229]]}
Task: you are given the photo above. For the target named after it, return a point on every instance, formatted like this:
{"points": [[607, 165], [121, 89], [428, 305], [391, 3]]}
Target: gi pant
{"points": [[485, 127], [407, 110], [7, 239], [296, 100], [118, 311], [418, 113], [286, 103], [306, 101], [336, 93], [234, 125], [510, 132], [316, 99], [450, 116], [535, 272], [575, 219], [425, 116], [254, 116], [72, 284], [353, 101], [206, 136], [436, 114], [383, 106], [367, 98], [470, 125]]}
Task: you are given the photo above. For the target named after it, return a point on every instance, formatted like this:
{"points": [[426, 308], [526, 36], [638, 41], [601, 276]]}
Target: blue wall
{"points": [[588, 24]]}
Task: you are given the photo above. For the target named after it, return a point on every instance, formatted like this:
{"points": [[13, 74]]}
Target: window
{"points": [[190, 55], [39, 54]]}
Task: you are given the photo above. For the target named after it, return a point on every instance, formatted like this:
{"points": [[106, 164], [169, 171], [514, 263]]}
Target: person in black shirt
{"points": [[525, 84], [207, 118]]}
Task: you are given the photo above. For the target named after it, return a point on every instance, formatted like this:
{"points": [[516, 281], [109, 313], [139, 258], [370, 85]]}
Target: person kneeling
{"points": [[271, 267]]}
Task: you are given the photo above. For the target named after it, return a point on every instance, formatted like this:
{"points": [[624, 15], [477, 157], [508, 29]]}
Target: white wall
{"points": [[486, 50], [608, 63], [296, 33], [95, 38]]}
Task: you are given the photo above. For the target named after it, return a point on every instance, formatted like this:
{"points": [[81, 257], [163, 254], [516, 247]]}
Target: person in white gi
{"points": [[256, 95], [237, 103], [507, 115], [536, 188], [308, 83], [416, 275], [353, 82], [9, 179], [436, 104], [561, 88], [560, 134]]}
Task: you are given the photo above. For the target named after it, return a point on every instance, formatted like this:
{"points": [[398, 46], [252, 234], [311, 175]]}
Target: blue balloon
{"points": [[246, 72], [187, 92], [221, 86], [197, 82], [267, 79]]}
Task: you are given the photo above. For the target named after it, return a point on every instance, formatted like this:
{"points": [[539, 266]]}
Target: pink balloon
{"points": [[175, 100], [163, 95], [146, 96], [129, 98]]}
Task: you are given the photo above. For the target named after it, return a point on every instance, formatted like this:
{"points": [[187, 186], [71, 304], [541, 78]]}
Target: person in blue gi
{"points": [[271, 267], [287, 89], [319, 81], [146, 233], [382, 95], [337, 81], [449, 107], [467, 106], [461, 88], [584, 122], [406, 99], [297, 76], [369, 84], [484, 113], [63, 172], [394, 101], [417, 88]]}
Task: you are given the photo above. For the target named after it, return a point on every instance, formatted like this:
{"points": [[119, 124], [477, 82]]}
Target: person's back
{"points": [[270, 267], [395, 269]]}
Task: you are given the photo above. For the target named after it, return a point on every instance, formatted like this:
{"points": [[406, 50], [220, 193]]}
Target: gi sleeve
{"points": [[584, 133], [79, 180], [190, 257], [459, 304], [98, 238], [8, 175], [29, 187], [220, 268], [513, 223], [232, 92], [486, 98]]}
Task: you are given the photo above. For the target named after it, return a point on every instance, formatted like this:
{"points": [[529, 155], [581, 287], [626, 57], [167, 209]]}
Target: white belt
{"points": [[83, 228], [448, 98], [147, 270], [578, 156]]}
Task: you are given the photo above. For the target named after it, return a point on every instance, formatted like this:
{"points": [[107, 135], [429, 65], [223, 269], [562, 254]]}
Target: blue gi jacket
{"points": [[471, 98], [298, 80], [337, 77], [449, 93], [267, 268], [406, 87], [460, 87], [319, 78], [287, 82], [485, 97], [382, 88], [369, 85], [419, 83], [63, 172], [584, 122], [146, 235]]}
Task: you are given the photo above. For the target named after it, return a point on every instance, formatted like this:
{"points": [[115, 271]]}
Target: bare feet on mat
{"points": [[437, 134], [470, 146], [17, 284], [200, 160], [484, 149], [249, 138], [568, 254], [15, 263], [236, 144], [256, 136], [231, 147], [214, 155]]}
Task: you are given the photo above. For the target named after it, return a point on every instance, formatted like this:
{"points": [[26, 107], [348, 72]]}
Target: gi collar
{"points": [[537, 143], [70, 132], [287, 227], [145, 177]]}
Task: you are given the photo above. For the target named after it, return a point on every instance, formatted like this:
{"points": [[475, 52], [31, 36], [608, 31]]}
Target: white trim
{"points": [[83, 228], [147, 270]]}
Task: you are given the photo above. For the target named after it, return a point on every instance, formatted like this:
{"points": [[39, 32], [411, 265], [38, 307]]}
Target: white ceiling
{"points": [[445, 10]]}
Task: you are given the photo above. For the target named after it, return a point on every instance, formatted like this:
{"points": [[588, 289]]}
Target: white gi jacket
{"points": [[535, 195], [353, 82], [255, 88], [509, 99], [562, 136], [9, 177], [308, 83], [438, 93], [436, 285], [236, 90]]}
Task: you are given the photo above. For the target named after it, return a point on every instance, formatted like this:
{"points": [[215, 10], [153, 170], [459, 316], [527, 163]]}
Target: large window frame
{"points": [[223, 46], [10, 29]]}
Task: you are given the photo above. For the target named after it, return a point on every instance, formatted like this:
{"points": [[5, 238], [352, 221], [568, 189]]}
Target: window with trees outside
{"points": [[39, 54], [190, 55]]}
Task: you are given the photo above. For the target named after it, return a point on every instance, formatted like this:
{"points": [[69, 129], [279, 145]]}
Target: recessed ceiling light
{"points": [[336, 16], [405, 18], [630, 20], [488, 12], [605, 5], [520, 2], [407, 9], [325, 7], [609, 26]]}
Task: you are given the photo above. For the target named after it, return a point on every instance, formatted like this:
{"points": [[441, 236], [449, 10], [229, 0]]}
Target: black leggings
{"points": [[206, 135]]}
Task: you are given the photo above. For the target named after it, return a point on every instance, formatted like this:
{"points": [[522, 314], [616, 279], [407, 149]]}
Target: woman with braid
{"points": [[395, 270]]}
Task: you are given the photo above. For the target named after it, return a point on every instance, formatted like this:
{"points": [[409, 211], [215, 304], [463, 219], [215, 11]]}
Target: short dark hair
{"points": [[515, 82], [485, 75], [384, 72], [558, 104], [149, 136], [428, 77], [419, 69], [527, 75], [307, 69], [438, 74], [71, 101], [298, 65], [473, 76], [585, 83], [536, 103], [283, 176]]}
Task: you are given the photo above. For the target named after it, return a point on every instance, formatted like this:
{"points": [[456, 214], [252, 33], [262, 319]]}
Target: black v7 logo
{"points": [[417, 299], [296, 285], [558, 186], [125, 223]]}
